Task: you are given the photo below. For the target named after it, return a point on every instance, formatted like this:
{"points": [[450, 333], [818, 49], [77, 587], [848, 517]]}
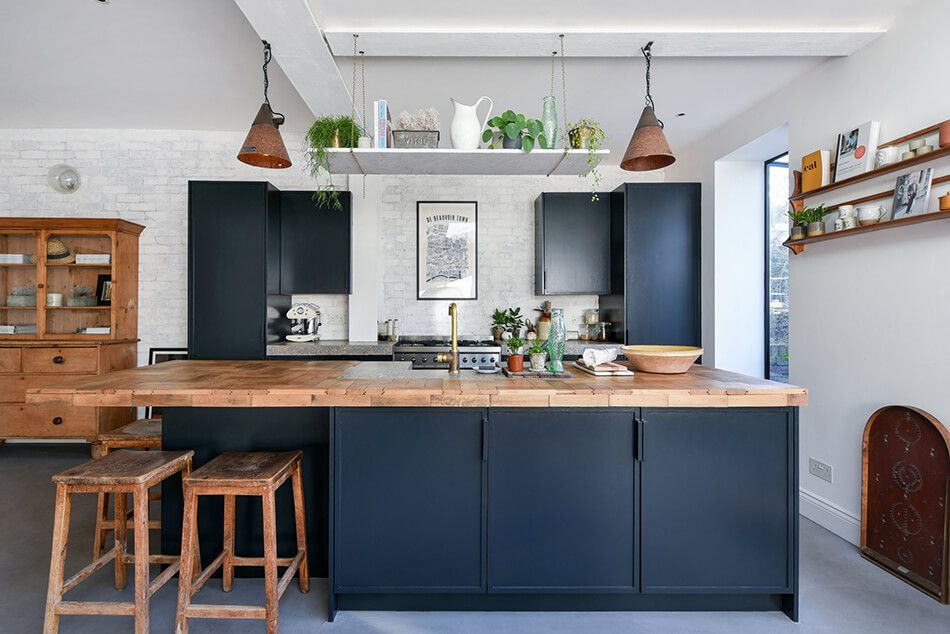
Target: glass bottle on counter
{"points": [[556, 340]]}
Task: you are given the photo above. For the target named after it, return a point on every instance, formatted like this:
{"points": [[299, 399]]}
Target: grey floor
{"points": [[840, 592]]}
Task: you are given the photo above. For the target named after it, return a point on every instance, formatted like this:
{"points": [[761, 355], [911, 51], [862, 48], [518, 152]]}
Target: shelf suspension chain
{"points": [[361, 57]]}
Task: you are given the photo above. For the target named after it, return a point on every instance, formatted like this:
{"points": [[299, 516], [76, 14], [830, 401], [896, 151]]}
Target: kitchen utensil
{"points": [[466, 130], [661, 359]]}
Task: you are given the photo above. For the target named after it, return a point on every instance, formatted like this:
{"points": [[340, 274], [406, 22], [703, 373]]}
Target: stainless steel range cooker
{"points": [[422, 352]]}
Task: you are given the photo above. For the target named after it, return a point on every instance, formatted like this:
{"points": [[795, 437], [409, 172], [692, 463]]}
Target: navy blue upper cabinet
{"points": [[409, 500], [314, 245], [563, 497], [718, 500], [571, 244]]}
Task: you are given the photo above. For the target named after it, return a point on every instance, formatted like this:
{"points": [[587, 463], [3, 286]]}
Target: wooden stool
{"points": [[143, 434], [230, 474], [119, 473]]}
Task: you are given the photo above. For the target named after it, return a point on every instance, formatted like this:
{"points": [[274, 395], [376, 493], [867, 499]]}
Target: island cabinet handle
{"points": [[58, 359], [484, 439], [638, 439]]}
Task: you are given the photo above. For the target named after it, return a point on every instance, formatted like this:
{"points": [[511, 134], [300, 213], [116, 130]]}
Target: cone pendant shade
{"points": [[648, 148], [264, 146]]}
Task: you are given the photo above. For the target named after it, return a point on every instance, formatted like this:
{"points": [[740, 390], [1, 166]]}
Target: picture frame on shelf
{"points": [[104, 290], [446, 250], [856, 150], [912, 194]]}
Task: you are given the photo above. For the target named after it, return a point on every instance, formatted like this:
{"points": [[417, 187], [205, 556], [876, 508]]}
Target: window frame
{"points": [[767, 331]]}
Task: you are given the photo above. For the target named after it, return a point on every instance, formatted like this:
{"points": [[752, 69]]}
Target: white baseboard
{"points": [[830, 516]]}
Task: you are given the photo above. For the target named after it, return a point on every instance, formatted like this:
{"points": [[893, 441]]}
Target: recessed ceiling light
{"points": [[680, 114], [102, 1]]}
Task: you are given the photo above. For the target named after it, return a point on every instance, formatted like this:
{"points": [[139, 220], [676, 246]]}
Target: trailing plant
{"points": [[423, 119], [515, 344], [510, 125], [327, 132], [596, 141]]}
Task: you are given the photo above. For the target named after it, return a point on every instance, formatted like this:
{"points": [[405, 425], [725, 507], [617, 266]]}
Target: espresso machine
{"points": [[304, 322]]}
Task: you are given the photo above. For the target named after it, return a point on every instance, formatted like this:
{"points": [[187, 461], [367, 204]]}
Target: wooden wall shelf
{"points": [[798, 246]]}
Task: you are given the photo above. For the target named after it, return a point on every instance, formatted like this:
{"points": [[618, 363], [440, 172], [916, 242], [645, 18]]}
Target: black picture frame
{"points": [[419, 263], [104, 290], [161, 355]]}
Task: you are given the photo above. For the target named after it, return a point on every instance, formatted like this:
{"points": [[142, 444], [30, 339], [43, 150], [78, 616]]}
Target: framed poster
{"points": [[446, 250]]}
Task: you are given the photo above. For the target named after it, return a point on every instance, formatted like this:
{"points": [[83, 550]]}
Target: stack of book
{"points": [[382, 124], [22, 329], [93, 258], [95, 330], [14, 258]]}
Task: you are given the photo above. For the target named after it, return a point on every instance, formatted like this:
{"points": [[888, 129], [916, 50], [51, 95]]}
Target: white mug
{"points": [[845, 211], [54, 299], [871, 213], [849, 223], [886, 156], [839, 224]]}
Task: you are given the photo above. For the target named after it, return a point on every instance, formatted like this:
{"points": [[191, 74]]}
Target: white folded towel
{"points": [[596, 356]]}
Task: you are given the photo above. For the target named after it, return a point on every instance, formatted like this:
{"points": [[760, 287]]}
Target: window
{"points": [[776, 268]]}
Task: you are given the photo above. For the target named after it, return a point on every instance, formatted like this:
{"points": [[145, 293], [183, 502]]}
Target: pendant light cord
{"points": [[648, 56], [278, 117]]}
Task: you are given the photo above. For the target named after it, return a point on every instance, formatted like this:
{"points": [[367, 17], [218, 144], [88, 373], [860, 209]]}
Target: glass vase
{"points": [[549, 120], [556, 341]]}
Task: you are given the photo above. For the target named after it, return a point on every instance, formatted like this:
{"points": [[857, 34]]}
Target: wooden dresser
{"points": [[61, 319]]}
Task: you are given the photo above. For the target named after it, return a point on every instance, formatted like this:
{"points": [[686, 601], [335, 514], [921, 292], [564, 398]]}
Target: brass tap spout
{"points": [[452, 358]]}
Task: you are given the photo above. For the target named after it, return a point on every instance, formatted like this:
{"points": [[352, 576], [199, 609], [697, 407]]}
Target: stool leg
{"points": [[227, 575], [270, 561], [303, 573], [121, 537], [54, 591], [102, 516], [140, 517], [186, 570]]}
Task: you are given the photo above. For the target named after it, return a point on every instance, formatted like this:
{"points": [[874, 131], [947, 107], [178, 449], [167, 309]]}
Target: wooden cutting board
{"points": [[605, 369]]}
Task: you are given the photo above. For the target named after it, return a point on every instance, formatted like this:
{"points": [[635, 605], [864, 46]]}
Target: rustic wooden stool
{"points": [[143, 434], [119, 473], [230, 474]]}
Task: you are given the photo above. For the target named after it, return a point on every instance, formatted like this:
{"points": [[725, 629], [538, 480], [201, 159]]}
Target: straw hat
{"points": [[58, 253]]}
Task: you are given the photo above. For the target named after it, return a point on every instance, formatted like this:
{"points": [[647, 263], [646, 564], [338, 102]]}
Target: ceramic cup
{"points": [[845, 211], [871, 214], [916, 143], [839, 224], [945, 202], [923, 149], [849, 223], [907, 155], [886, 156], [54, 299]]}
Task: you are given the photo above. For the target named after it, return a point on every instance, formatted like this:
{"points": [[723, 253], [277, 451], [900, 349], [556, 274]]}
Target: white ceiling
{"points": [[193, 64]]}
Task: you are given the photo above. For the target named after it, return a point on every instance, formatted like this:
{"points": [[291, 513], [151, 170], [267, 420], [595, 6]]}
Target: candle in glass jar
{"points": [[592, 317]]}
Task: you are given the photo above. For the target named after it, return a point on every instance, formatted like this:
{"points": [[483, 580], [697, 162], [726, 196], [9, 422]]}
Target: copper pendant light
{"points": [[264, 146], [648, 148]]}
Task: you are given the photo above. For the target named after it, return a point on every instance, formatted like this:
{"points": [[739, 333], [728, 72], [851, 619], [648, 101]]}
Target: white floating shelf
{"points": [[467, 162]]}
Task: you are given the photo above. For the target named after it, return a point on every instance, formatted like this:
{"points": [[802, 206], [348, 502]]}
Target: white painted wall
{"points": [[870, 313]]}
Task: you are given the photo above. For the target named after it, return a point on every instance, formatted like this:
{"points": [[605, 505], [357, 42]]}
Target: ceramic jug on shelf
{"points": [[466, 130]]}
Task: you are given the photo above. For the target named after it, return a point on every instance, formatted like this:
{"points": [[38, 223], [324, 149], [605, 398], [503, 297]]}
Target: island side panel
{"points": [[209, 431]]}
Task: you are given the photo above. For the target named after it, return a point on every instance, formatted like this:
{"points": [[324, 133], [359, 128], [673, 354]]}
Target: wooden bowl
{"points": [[661, 359]]}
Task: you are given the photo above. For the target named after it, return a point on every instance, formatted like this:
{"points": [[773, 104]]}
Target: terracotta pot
{"points": [[945, 134], [815, 229], [516, 363]]}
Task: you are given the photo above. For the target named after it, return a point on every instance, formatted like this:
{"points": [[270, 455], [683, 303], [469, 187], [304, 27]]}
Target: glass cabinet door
{"points": [[78, 293], [18, 280]]}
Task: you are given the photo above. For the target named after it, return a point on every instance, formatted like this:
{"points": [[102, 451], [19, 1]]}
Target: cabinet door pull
{"points": [[58, 359], [58, 420], [638, 436], [484, 439]]}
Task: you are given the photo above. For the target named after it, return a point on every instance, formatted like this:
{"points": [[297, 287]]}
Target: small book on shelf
{"points": [[816, 170], [856, 150], [93, 258], [14, 258], [382, 124]]}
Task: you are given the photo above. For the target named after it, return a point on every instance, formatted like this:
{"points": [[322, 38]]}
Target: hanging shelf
{"points": [[463, 162]]}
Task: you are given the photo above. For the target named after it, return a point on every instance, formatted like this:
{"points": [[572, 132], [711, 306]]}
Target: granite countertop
{"points": [[290, 383]]}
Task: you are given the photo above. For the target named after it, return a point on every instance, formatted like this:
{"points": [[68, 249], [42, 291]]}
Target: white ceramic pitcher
{"points": [[466, 130]]}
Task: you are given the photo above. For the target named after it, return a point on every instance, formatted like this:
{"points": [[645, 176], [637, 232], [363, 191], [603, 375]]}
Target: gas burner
{"points": [[423, 352]]}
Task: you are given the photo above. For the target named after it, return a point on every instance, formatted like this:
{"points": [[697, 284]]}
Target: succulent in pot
{"points": [[538, 352], [798, 223], [515, 353], [587, 134], [514, 131]]}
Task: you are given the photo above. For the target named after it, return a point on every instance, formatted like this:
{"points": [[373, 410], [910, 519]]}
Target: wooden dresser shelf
{"points": [[798, 246]]}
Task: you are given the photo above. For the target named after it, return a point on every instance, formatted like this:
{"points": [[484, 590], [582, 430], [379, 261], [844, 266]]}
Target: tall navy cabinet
{"points": [[655, 264], [234, 306]]}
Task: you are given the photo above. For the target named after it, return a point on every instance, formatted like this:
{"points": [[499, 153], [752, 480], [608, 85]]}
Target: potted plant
{"points": [[799, 221], [587, 134], [418, 130], [814, 218], [515, 353], [499, 323], [514, 131], [82, 296], [537, 351], [329, 132]]}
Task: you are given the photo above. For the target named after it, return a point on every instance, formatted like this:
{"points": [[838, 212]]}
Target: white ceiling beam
{"points": [[605, 44], [301, 51]]}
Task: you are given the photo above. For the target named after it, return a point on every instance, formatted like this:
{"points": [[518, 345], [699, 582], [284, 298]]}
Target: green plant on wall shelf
{"points": [[587, 134], [329, 132], [810, 214], [508, 126]]}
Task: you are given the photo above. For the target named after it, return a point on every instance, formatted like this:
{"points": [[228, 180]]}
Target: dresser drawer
{"points": [[60, 360], [9, 360], [13, 387], [47, 421]]}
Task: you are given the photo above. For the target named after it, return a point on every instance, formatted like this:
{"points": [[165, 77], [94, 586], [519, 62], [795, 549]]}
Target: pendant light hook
{"points": [[278, 117]]}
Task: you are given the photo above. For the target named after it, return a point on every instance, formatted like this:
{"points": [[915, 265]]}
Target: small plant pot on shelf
{"points": [[537, 360], [581, 137], [516, 363], [815, 229], [798, 233], [512, 144]]}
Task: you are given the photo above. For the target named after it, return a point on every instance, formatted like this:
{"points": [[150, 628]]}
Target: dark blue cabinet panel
{"points": [[314, 244], [571, 244], [716, 507], [409, 500], [563, 498]]}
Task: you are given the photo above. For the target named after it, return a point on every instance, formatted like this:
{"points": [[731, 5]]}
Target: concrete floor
{"points": [[840, 592]]}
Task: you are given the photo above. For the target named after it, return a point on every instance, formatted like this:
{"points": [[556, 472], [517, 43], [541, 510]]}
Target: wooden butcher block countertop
{"points": [[321, 384]]}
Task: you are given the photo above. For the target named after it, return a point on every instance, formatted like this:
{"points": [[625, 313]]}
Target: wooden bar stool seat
{"points": [[121, 472], [253, 474], [143, 434]]}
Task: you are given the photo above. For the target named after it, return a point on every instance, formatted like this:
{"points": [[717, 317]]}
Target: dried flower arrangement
{"points": [[423, 119]]}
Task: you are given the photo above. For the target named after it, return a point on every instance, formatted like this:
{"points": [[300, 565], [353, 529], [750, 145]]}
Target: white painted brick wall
{"points": [[142, 175]]}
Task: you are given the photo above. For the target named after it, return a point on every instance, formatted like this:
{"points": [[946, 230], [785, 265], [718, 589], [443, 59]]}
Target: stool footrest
{"points": [[88, 570], [259, 561], [111, 608], [288, 575], [210, 611], [206, 573], [162, 578]]}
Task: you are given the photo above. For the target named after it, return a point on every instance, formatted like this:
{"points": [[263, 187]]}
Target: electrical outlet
{"points": [[820, 470]]}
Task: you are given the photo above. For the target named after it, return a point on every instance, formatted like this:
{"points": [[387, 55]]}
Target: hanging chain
{"points": [[278, 117], [563, 82], [553, 57], [353, 91], [358, 57], [648, 56]]}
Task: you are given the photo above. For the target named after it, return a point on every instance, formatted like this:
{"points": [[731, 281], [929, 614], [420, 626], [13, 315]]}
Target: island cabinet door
{"points": [[717, 507], [563, 489], [408, 500]]}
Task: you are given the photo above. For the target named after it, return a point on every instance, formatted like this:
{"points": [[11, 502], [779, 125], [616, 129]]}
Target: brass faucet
{"points": [[452, 358]]}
